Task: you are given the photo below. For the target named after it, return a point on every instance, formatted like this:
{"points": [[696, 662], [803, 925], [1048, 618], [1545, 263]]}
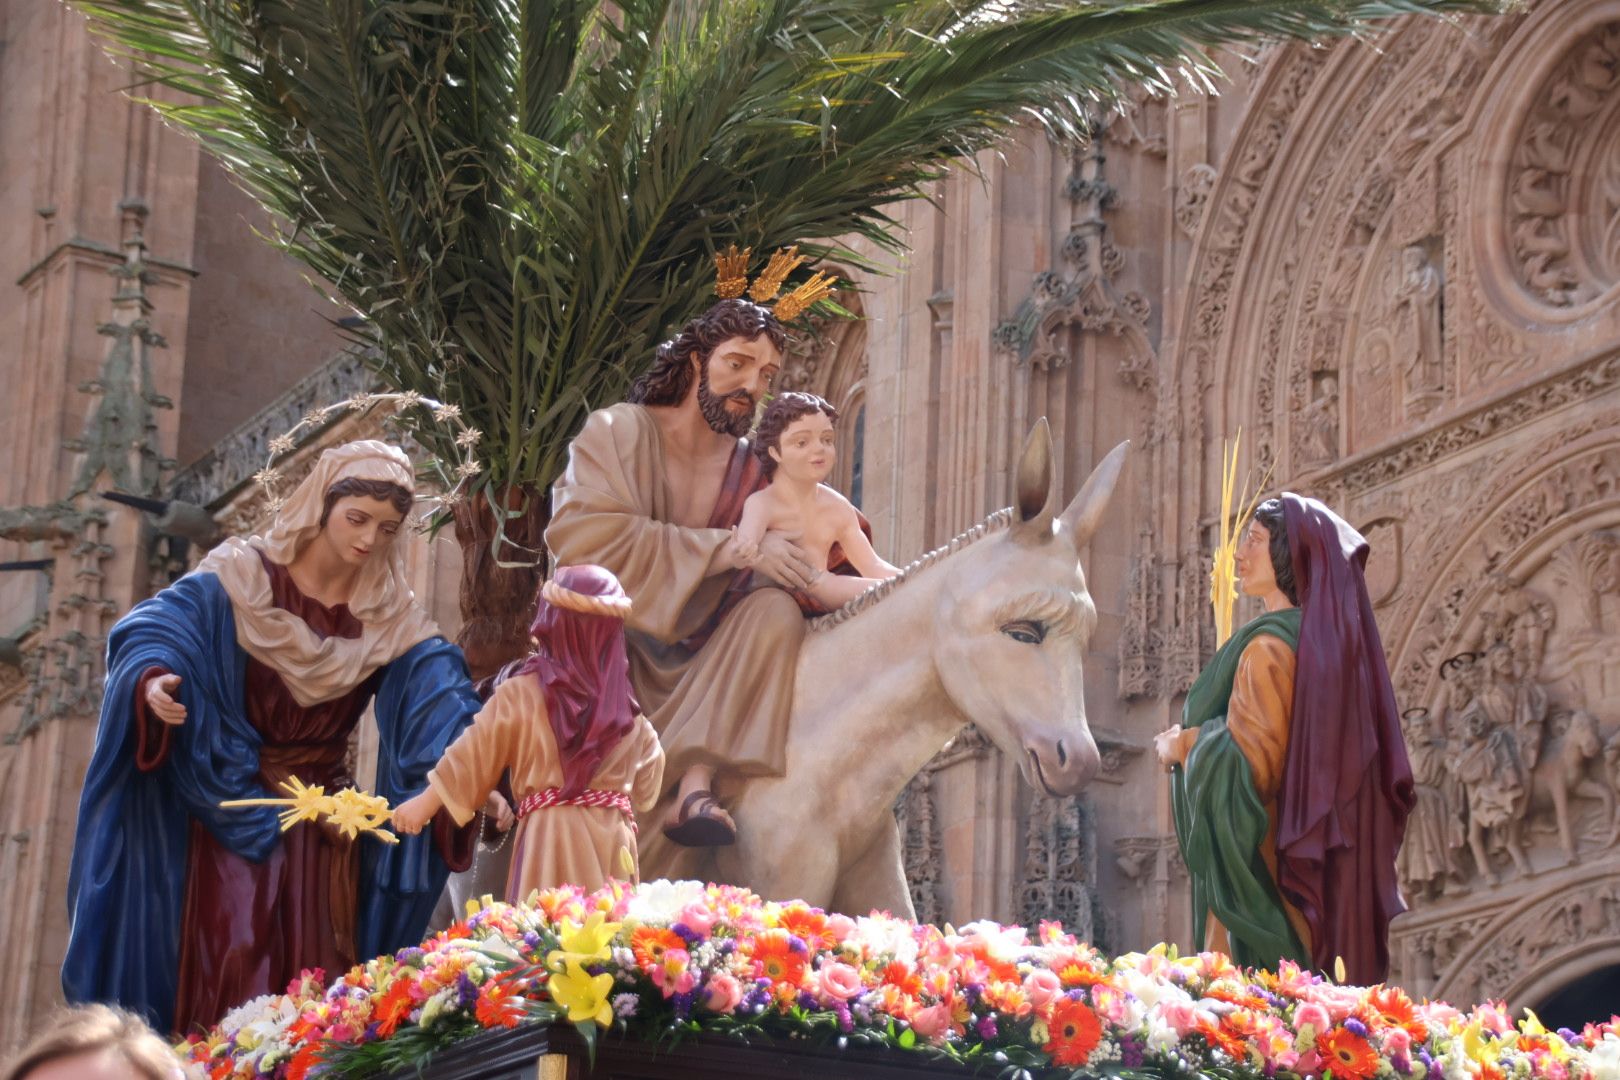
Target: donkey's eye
{"points": [[1026, 631]]}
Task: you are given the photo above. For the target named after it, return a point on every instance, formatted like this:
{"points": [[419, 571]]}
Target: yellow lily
{"points": [[582, 995], [582, 943]]}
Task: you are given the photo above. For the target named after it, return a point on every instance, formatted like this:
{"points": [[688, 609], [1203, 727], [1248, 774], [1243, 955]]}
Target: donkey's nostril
{"points": [[1062, 753]]}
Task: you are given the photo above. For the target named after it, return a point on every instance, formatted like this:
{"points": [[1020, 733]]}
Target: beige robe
{"points": [[557, 845], [1257, 717], [726, 704]]}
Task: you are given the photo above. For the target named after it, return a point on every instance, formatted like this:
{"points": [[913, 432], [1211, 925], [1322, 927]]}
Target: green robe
{"points": [[1221, 820]]}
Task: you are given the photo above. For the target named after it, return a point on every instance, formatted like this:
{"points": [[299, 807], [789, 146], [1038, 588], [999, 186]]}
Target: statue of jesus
{"points": [[653, 491]]}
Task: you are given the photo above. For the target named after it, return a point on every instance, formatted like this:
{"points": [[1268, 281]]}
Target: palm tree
{"points": [[521, 195]]}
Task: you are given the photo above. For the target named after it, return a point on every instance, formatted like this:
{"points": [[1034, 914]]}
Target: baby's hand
{"points": [[743, 552]]}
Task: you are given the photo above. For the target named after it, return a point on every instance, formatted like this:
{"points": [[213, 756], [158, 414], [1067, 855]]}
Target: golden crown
{"points": [[731, 281]]}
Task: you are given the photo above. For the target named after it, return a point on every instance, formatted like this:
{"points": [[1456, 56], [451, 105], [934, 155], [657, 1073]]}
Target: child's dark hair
{"points": [[783, 410]]}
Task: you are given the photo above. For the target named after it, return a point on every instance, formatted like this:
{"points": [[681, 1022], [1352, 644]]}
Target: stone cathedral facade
{"points": [[1396, 269]]}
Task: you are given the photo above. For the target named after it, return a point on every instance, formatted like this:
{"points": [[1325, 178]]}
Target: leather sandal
{"points": [[700, 828]]}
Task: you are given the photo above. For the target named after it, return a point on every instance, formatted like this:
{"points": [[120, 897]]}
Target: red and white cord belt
{"points": [[553, 796]]}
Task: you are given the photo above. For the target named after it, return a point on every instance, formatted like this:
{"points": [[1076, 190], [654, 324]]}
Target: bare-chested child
{"points": [[795, 442]]}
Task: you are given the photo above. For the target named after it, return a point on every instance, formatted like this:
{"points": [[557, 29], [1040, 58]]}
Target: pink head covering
{"points": [[582, 665]]}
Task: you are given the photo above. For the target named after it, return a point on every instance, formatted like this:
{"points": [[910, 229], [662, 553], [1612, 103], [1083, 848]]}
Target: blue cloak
{"points": [[126, 883]]}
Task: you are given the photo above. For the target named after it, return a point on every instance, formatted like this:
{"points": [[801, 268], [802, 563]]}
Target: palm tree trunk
{"points": [[497, 602]]}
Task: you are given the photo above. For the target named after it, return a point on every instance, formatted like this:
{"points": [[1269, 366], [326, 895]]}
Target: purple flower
{"points": [[797, 944], [987, 1027], [625, 1005], [725, 946], [1571, 1037], [845, 1023], [409, 956], [807, 1000], [1355, 1027], [683, 1004], [1130, 1052], [686, 933], [531, 939], [466, 991]]}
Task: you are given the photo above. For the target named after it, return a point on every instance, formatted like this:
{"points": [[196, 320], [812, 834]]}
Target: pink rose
{"points": [[1181, 1015], [1109, 1003], [1043, 987], [933, 1022], [838, 982], [697, 918], [1313, 1015], [723, 994], [840, 927], [1397, 1043]]}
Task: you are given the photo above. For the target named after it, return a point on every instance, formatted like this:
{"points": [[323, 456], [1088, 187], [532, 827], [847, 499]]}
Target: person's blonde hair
{"points": [[85, 1029]]}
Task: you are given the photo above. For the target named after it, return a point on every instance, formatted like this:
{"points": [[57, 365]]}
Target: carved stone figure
{"points": [[1435, 827], [1566, 771], [1519, 617], [1421, 339], [1321, 423], [1488, 768]]}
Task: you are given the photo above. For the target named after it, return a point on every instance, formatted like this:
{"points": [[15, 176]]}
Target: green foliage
{"points": [[522, 195]]}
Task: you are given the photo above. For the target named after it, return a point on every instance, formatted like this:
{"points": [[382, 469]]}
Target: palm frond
{"points": [[522, 195]]}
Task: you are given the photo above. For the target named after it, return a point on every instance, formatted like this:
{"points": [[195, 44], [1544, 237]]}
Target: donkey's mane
{"points": [[996, 522]]}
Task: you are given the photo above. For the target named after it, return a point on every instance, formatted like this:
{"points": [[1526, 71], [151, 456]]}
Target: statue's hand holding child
{"points": [[744, 552]]}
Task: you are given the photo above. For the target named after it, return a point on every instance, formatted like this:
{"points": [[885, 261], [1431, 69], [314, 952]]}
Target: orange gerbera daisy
{"points": [[1388, 1007], [1349, 1055], [1078, 973], [1236, 995], [649, 943], [500, 1003], [902, 977], [394, 1007], [777, 960], [808, 926], [1074, 1032], [306, 1059], [1227, 1042]]}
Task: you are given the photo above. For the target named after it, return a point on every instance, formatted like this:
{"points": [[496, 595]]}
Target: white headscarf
{"points": [[317, 669]]}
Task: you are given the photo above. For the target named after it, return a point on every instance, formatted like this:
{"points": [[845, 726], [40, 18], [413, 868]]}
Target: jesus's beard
{"points": [[723, 420]]}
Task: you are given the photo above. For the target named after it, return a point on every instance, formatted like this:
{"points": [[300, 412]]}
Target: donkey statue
{"points": [[989, 628]]}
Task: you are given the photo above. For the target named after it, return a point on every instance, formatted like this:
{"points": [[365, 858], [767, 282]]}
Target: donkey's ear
{"points": [[1037, 487], [1085, 513]]}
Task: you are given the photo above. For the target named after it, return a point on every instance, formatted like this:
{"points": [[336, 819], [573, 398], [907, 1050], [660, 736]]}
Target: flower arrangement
{"points": [[683, 957]]}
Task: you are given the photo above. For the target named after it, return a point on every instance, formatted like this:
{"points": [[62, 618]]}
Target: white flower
{"points": [[282, 444], [360, 401], [316, 416], [248, 1011], [469, 469], [662, 900], [469, 438], [876, 936], [266, 477], [407, 399], [275, 504], [1605, 1058], [446, 413]]}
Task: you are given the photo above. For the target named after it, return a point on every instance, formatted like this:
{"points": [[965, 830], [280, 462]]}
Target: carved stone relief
{"points": [[1561, 209], [1060, 868]]}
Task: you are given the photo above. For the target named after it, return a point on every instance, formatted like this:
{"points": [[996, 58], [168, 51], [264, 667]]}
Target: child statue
{"points": [[582, 757], [795, 445], [251, 670]]}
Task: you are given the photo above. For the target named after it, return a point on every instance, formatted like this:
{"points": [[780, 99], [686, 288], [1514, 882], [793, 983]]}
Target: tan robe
{"points": [[727, 703], [1257, 716], [557, 845]]}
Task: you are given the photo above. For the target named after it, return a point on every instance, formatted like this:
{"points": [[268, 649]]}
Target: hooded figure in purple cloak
{"points": [[1291, 785]]}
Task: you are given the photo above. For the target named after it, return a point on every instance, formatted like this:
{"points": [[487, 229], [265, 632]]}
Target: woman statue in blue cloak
{"points": [[250, 670]]}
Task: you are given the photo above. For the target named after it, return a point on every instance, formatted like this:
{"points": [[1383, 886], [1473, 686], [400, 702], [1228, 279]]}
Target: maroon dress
{"points": [[250, 928]]}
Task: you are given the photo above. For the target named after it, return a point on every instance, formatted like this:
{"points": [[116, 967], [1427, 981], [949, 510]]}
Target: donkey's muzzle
{"points": [[1062, 765]]}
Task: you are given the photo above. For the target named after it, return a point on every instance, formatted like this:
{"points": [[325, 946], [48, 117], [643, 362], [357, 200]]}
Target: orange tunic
{"points": [[1257, 716], [557, 845]]}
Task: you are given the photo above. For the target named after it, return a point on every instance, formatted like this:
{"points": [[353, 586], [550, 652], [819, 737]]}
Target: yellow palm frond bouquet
{"points": [[1223, 580]]}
